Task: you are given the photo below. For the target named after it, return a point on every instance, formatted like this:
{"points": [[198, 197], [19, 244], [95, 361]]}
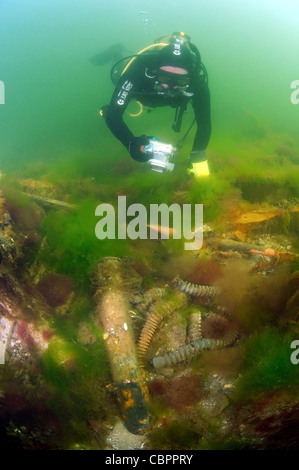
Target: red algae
{"points": [[180, 392], [23, 332], [47, 335], [56, 289], [205, 272]]}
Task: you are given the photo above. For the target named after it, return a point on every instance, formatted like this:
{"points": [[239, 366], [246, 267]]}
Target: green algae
{"points": [[265, 168], [267, 366], [71, 246], [175, 435], [76, 376]]}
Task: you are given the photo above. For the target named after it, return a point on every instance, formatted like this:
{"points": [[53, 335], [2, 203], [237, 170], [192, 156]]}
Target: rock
{"points": [[121, 439]]}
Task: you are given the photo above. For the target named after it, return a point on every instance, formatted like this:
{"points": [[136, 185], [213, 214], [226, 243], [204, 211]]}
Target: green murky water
{"points": [[53, 93]]}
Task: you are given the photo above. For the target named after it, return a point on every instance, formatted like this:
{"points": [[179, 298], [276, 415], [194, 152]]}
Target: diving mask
{"points": [[172, 78]]}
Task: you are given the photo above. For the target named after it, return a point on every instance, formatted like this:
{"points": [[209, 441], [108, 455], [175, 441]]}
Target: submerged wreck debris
{"points": [[43, 193], [7, 249], [11, 296], [27, 341], [16, 303], [114, 278], [116, 273], [228, 247], [271, 220], [195, 289], [36, 312], [194, 328], [23, 316], [162, 309], [49, 203], [192, 349]]}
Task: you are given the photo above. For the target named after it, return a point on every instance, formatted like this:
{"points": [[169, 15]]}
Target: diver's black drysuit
{"points": [[138, 82]]}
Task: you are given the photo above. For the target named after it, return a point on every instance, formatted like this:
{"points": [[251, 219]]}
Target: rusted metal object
{"points": [[49, 203], [12, 298], [267, 220], [162, 309], [195, 290], [197, 343], [193, 349], [194, 328], [114, 279]]}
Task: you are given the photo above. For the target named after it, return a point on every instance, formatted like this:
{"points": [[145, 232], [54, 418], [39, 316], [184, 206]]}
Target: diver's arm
{"points": [[201, 106], [130, 82], [114, 113], [202, 111]]}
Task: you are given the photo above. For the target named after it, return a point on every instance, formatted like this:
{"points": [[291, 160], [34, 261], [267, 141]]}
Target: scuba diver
{"points": [[167, 73]]}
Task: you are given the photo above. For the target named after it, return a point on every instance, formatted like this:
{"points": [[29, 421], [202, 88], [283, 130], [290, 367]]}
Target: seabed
{"points": [[59, 386]]}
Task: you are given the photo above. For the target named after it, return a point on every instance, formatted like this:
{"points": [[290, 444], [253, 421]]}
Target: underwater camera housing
{"points": [[162, 155]]}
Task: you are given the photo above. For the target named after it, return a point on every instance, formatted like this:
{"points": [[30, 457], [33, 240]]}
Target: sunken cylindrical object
{"points": [[113, 316]]}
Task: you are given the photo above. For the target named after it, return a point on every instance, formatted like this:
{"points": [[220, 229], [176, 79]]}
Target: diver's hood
{"points": [[177, 55]]}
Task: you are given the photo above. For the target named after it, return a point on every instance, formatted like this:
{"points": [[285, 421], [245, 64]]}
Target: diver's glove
{"points": [[199, 163], [136, 148]]}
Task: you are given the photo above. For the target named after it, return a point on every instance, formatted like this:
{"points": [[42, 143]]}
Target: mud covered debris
{"points": [[75, 350]]}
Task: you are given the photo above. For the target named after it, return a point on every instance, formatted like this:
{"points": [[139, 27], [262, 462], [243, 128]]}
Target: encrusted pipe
{"points": [[154, 294], [192, 349], [112, 278], [194, 289]]}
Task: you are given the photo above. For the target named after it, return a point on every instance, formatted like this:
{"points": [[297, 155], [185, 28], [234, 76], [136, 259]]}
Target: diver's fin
{"points": [[114, 53]]}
